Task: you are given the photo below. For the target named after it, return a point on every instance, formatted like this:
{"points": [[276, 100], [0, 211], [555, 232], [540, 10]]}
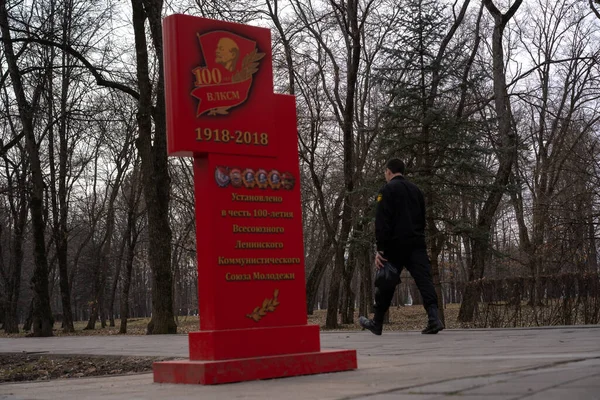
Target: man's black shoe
{"points": [[433, 327], [370, 325]]}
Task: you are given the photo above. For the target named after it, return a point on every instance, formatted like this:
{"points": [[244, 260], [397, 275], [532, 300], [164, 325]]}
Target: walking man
{"points": [[400, 235]]}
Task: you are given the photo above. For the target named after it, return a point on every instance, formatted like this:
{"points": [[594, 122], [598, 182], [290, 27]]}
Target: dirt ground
{"points": [[15, 367], [401, 319]]}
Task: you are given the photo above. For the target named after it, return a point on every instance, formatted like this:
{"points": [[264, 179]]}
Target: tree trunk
{"points": [[62, 242], [333, 298], [113, 293], [102, 310], [19, 218], [593, 249], [131, 242], [155, 174], [59, 200], [435, 249], [42, 314], [59, 203], [287, 47], [316, 274], [471, 294], [95, 303], [348, 297], [354, 53], [13, 284], [130, 237], [91, 325], [105, 263], [366, 281], [358, 245], [29, 318], [506, 154]]}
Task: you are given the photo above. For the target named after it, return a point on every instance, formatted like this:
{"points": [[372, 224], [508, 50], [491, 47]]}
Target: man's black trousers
{"points": [[417, 264]]}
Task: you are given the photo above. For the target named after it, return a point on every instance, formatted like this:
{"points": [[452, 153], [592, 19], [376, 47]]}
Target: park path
{"points": [[542, 363]]}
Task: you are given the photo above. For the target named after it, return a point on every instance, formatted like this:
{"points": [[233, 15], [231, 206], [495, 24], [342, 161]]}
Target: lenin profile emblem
{"points": [[225, 79]]}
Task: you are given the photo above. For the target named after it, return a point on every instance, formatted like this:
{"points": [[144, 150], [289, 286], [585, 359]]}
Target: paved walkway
{"points": [[548, 363]]}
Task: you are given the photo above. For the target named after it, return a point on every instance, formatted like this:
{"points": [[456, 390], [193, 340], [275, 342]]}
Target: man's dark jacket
{"points": [[400, 219]]}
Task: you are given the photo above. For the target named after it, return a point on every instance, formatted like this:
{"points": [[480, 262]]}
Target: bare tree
{"points": [[132, 191], [506, 153], [152, 147], [14, 217], [558, 124], [119, 148], [349, 17], [42, 315]]}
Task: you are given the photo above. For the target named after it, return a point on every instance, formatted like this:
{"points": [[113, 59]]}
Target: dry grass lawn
{"points": [[15, 367], [401, 319]]}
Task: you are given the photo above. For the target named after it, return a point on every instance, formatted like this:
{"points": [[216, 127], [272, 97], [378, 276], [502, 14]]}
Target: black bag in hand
{"points": [[387, 277]]}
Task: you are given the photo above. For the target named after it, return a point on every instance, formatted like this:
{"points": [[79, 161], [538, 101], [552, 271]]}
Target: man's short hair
{"points": [[396, 165]]}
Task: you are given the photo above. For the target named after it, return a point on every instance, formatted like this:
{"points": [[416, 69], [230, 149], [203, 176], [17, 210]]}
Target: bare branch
{"points": [[93, 70], [511, 11], [489, 4], [548, 62], [593, 7], [497, 14]]}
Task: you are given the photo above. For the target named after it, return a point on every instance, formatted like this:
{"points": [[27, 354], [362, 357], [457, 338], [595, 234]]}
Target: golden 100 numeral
{"points": [[225, 136], [204, 76]]}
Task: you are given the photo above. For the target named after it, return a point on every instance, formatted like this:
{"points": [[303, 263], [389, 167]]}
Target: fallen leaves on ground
{"points": [[406, 318], [18, 367], [401, 319]]}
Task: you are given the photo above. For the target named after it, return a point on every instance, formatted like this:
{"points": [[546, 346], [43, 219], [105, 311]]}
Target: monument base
{"points": [[248, 369], [230, 344]]}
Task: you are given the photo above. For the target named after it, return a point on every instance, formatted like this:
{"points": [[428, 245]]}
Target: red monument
{"points": [[222, 111]]}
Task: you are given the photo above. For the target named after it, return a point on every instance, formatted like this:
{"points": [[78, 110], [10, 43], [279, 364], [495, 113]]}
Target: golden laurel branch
{"points": [[249, 66], [268, 305], [219, 111]]}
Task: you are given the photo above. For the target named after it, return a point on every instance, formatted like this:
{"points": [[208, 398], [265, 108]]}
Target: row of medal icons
{"points": [[237, 178]]}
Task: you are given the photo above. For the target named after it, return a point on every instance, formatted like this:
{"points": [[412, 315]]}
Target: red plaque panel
{"points": [[249, 235], [218, 87], [251, 282]]}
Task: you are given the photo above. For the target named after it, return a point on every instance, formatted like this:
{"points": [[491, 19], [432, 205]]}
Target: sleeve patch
{"points": [[379, 197]]}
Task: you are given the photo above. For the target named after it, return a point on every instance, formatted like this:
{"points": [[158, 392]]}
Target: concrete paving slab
{"points": [[592, 381], [400, 396], [398, 365], [477, 396], [463, 385], [558, 377], [509, 388], [565, 394]]}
